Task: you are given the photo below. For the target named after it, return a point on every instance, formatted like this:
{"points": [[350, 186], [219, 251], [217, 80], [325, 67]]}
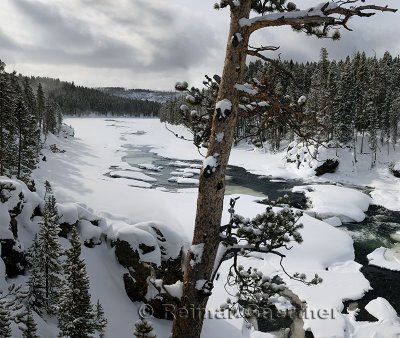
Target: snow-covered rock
{"points": [[329, 201], [386, 258], [381, 309]]}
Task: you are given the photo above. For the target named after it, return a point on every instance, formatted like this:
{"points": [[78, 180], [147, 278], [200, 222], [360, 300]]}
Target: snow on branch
{"points": [[331, 13], [246, 88]]}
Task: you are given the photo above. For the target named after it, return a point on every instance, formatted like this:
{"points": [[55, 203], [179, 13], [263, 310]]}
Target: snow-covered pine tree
{"points": [[385, 96], [30, 328], [50, 122], [21, 114], [45, 265], [371, 108], [395, 104], [144, 329], [41, 104], [7, 125], [76, 317], [11, 304], [5, 319], [331, 95], [100, 320], [27, 129], [346, 106], [317, 102], [394, 119], [360, 86]]}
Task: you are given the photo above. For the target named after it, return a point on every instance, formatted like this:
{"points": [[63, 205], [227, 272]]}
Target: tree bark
{"points": [[189, 320]]}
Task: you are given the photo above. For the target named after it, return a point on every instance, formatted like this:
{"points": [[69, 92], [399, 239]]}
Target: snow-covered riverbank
{"points": [[78, 176]]}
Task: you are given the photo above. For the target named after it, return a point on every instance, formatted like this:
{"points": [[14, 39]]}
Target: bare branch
{"points": [[273, 62]]}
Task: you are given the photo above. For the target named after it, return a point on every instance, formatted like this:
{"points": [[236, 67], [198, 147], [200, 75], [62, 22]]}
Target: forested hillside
{"points": [[140, 94], [326, 101], [26, 117], [80, 101]]}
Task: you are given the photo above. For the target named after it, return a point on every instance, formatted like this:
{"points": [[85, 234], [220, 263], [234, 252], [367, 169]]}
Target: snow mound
{"points": [[71, 213], [139, 239], [387, 326], [15, 200], [66, 131], [331, 200], [160, 241], [169, 241], [386, 258], [89, 232], [382, 310], [132, 175]]}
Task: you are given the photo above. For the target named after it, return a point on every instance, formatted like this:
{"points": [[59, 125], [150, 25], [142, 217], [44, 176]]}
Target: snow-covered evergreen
{"points": [[45, 280], [76, 316]]}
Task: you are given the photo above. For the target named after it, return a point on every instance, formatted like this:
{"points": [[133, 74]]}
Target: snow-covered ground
{"points": [[78, 176]]}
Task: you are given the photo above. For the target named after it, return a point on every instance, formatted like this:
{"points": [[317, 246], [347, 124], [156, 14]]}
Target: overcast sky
{"points": [[154, 43]]}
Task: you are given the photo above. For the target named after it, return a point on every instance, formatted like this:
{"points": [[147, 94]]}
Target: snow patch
{"points": [[197, 251], [246, 88], [132, 175], [219, 137], [175, 290], [386, 258], [224, 106]]}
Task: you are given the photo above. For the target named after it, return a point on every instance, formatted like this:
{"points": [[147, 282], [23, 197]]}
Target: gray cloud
{"points": [[67, 40], [153, 42]]}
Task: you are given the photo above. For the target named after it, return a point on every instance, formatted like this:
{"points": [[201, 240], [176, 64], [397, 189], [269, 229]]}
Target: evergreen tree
{"points": [[100, 320], [394, 119], [24, 148], [5, 319], [346, 106], [332, 108], [45, 281], [143, 329], [41, 104], [361, 75], [76, 317], [27, 129], [50, 123], [6, 123], [371, 108], [30, 329]]}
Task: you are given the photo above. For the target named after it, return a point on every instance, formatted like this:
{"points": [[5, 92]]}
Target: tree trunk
{"points": [[188, 323]]}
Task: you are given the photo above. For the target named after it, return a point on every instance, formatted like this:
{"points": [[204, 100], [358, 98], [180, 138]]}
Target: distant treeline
{"points": [[79, 101]]}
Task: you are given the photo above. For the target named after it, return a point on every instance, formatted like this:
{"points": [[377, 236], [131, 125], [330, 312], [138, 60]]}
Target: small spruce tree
{"points": [[100, 320], [144, 329], [76, 317], [30, 329], [46, 269], [5, 319]]}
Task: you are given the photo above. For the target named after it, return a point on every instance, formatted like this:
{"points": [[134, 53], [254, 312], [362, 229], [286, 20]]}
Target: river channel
{"points": [[368, 235]]}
